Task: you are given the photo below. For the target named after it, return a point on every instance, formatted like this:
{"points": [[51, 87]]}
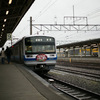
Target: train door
{"points": [[20, 51]]}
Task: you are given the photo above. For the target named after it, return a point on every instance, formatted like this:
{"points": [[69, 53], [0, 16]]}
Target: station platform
{"points": [[80, 61], [16, 83]]}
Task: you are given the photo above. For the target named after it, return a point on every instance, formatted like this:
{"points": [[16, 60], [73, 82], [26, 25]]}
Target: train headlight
{"points": [[29, 56]]}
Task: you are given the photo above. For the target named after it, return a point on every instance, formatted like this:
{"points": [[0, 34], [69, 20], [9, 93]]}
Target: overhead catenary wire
{"points": [[49, 5], [45, 9], [42, 10]]}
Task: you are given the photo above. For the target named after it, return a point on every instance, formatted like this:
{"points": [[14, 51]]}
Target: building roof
{"points": [[80, 44], [11, 15]]}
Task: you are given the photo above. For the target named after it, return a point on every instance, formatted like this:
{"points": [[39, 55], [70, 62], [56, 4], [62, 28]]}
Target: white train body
{"points": [[38, 52]]}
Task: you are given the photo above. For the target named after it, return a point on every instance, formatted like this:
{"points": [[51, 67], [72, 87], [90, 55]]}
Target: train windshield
{"points": [[36, 45]]}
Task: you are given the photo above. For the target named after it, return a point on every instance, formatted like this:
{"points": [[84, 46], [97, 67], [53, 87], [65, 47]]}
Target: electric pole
{"points": [[30, 25]]}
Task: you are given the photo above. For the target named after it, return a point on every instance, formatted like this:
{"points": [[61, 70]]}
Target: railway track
{"points": [[91, 74], [73, 91]]}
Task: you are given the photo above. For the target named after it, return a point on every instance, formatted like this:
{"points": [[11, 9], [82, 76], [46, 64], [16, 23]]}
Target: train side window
{"points": [[28, 49]]}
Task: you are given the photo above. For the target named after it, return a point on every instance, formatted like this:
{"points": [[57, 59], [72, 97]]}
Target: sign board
{"points": [[41, 57], [9, 36]]}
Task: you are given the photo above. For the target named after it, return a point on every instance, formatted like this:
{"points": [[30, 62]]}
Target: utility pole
{"points": [[30, 25], [73, 16]]}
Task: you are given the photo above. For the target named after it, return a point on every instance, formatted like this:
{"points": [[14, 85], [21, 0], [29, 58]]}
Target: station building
{"points": [[89, 48]]}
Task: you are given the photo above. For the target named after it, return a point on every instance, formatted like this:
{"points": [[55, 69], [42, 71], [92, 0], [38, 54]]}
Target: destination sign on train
{"points": [[39, 40]]}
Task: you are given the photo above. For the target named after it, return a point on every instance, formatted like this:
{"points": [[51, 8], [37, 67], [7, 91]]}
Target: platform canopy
{"points": [[91, 42], [11, 13]]}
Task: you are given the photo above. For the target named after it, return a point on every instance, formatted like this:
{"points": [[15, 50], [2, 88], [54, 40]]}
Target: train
{"points": [[94, 52], [78, 52], [37, 52]]}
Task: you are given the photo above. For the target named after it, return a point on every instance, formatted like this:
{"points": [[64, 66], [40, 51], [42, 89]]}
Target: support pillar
{"points": [[73, 51], [90, 50], [85, 51], [30, 25], [98, 50], [59, 52], [68, 52], [81, 52]]}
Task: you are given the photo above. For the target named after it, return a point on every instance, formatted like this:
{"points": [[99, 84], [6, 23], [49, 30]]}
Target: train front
{"points": [[40, 52]]}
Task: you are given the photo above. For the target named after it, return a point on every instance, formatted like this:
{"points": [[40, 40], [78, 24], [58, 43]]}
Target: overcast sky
{"points": [[45, 11]]}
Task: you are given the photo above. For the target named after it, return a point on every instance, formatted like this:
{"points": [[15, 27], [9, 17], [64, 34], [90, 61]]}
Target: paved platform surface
{"points": [[17, 84]]}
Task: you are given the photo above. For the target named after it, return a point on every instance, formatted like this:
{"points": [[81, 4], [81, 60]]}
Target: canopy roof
{"points": [[11, 14]]}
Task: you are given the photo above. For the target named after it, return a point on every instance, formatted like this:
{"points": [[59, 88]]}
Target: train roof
{"points": [[37, 36], [31, 36]]}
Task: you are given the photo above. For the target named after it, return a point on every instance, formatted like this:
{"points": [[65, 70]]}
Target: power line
{"points": [[42, 12], [43, 9]]}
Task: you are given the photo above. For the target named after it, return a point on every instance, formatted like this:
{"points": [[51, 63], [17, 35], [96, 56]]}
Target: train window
{"points": [[40, 45], [40, 49], [28, 49]]}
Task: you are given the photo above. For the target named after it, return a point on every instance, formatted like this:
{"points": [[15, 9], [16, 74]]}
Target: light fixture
{"points": [[2, 29], [7, 12], [5, 20], [3, 25], [10, 1]]}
